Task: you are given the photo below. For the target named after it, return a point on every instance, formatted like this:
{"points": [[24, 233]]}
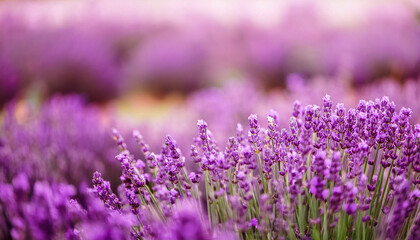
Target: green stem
{"points": [[325, 222], [342, 226], [365, 167], [374, 163], [155, 201], [207, 196], [386, 189], [180, 187], [230, 174], [378, 187], [301, 215], [261, 172]]}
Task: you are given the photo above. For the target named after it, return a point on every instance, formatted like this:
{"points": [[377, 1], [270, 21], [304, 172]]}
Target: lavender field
{"points": [[231, 120]]}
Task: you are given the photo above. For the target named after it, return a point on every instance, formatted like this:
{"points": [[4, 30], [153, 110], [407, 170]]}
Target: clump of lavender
{"points": [[49, 211], [64, 141], [335, 173], [38, 212]]}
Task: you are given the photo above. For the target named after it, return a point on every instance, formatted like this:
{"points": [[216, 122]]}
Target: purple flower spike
{"points": [[253, 133]]}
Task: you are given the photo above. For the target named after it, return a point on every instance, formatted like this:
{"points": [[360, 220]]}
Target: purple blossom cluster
{"points": [[40, 211], [334, 173], [49, 211]]}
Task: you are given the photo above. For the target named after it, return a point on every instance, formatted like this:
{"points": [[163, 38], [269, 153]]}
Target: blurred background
{"points": [[72, 70]]}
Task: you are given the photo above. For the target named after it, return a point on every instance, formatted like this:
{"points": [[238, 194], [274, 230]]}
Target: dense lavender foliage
{"points": [[45, 210], [63, 141], [44, 155], [335, 173]]}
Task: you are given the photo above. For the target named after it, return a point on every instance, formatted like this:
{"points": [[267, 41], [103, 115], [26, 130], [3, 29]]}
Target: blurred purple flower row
{"points": [[101, 58]]}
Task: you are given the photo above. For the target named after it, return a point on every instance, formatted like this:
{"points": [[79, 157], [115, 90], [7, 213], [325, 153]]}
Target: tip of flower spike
{"points": [[406, 112], [327, 103], [270, 120], [97, 174], [201, 123], [253, 121], [385, 100], [309, 109], [252, 117], [340, 109], [137, 134], [120, 157], [168, 139], [274, 114], [115, 131]]}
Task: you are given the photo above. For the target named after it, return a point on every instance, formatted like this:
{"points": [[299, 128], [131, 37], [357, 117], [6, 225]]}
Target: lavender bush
{"points": [[63, 141], [49, 211], [44, 155], [335, 173]]}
